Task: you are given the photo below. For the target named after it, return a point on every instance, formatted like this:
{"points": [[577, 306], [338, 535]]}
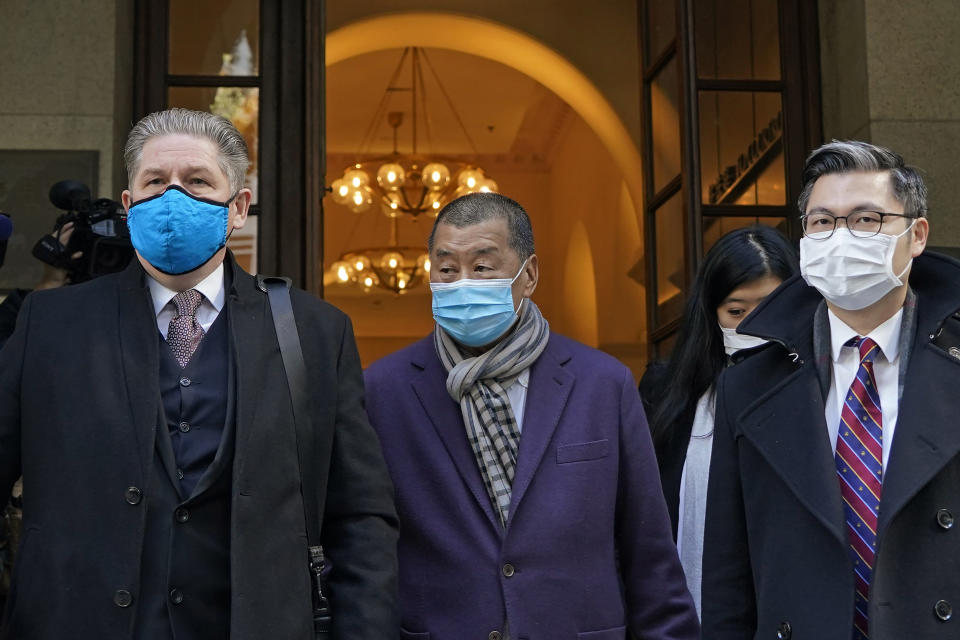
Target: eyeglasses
{"points": [[861, 224]]}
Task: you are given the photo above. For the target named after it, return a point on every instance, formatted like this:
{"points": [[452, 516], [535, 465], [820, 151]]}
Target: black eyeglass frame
{"points": [[859, 234]]}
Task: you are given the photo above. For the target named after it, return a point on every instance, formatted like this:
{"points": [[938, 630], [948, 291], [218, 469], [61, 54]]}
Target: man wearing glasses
{"points": [[835, 479]]}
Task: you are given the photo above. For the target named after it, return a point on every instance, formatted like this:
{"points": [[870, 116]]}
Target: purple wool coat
{"points": [[587, 552]]}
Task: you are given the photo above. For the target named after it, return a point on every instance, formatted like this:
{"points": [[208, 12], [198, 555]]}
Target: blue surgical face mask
{"points": [[177, 232], [475, 312]]}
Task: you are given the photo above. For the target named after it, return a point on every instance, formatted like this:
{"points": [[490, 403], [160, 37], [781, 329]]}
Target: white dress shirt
{"points": [[886, 369], [212, 289], [517, 395]]}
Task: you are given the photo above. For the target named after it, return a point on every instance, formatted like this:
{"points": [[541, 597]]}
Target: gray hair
{"points": [[853, 155], [475, 208], [233, 157]]}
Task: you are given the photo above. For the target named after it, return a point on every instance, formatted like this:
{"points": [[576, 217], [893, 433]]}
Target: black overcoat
{"points": [[79, 408], [776, 561]]}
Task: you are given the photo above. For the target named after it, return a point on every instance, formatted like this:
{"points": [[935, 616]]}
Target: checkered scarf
{"points": [[479, 384]]}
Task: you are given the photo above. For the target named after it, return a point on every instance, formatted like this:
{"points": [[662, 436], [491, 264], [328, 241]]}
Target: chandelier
{"points": [[393, 267], [409, 184]]}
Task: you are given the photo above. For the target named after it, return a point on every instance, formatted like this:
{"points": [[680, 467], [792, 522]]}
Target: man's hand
{"points": [[52, 276]]}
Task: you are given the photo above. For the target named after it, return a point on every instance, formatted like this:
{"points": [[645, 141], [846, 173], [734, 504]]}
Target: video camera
{"points": [[100, 233]]}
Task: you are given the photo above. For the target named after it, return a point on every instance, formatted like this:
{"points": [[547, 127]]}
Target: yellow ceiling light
{"points": [[409, 183]]}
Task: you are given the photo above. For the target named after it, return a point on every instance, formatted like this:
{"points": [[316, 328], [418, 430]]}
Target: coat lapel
{"points": [[788, 428], [547, 394], [139, 351], [925, 439], [787, 424], [431, 390], [252, 337]]}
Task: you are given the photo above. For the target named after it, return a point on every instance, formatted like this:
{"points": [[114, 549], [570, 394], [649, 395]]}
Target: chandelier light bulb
{"points": [[361, 264], [470, 178], [432, 202], [340, 191], [391, 261], [361, 199], [342, 270], [423, 264], [435, 176], [356, 178], [488, 186], [390, 204], [391, 176]]}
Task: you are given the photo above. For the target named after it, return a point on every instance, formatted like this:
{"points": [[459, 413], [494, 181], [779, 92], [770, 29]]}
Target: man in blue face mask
{"points": [[527, 488], [150, 414]]}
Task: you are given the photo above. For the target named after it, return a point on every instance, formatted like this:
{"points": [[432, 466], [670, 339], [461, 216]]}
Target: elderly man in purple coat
{"points": [[527, 487]]}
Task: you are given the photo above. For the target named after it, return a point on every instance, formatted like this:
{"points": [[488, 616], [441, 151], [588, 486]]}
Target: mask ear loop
{"points": [[910, 261], [227, 205], [523, 266]]}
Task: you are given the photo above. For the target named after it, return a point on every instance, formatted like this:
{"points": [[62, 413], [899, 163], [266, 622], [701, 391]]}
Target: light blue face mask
{"points": [[177, 232], [475, 312]]}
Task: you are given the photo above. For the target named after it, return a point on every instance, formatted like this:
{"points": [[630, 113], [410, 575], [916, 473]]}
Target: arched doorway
{"points": [[587, 184]]}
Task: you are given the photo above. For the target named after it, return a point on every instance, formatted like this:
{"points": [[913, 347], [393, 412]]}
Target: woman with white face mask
{"points": [[738, 272]]}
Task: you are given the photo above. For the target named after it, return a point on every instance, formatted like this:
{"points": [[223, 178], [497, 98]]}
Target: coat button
{"points": [[179, 474], [176, 596], [182, 514], [133, 495], [508, 570], [784, 631], [943, 610], [184, 381], [184, 427], [495, 635], [122, 598], [944, 518]]}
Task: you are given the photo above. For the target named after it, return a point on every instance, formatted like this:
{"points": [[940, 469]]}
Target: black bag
{"points": [[278, 291]]}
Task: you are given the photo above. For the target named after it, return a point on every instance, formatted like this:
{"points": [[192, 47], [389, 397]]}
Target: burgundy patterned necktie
{"points": [[184, 332], [860, 469]]}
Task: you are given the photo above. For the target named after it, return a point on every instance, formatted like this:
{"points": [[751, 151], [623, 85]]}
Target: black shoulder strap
{"points": [[278, 291]]}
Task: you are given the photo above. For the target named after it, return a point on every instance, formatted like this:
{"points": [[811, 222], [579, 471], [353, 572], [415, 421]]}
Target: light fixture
{"points": [[393, 267], [409, 184]]}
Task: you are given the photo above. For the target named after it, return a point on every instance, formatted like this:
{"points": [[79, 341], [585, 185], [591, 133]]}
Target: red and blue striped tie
{"points": [[860, 470]]}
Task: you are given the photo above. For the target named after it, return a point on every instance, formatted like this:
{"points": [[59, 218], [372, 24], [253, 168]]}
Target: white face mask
{"points": [[851, 272], [733, 341]]}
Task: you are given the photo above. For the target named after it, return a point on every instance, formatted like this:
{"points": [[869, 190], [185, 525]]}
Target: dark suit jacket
{"points": [[776, 554], [587, 551], [79, 407]]}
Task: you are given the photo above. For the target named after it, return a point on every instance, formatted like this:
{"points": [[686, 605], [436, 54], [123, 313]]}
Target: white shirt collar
{"points": [[887, 335], [524, 378], [212, 288]]}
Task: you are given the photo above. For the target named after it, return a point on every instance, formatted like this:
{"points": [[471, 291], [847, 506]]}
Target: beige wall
{"points": [[891, 75], [591, 232], [600, 38], [65, 79]]}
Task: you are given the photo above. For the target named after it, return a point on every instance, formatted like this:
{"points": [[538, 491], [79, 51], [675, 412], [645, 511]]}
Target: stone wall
{"points": [[890, 74], [66, 81]]}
